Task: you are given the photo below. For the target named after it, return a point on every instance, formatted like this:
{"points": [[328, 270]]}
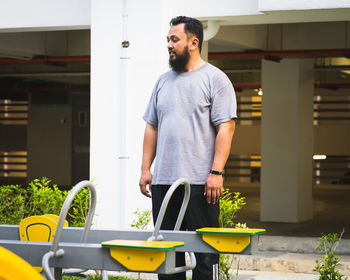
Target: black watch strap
{"points": [[216, 172]]}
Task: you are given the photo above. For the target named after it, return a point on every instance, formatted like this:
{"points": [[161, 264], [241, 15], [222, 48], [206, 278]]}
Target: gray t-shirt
{"points": [[186, 108]]}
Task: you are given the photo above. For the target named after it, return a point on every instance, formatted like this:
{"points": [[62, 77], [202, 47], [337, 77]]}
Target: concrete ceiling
{"points": [[278, 17], [231, 37]]}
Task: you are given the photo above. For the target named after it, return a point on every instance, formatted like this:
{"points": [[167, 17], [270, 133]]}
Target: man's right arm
{"points": [[149, 152]]}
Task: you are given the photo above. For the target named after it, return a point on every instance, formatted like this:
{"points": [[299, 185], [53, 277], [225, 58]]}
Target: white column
{"points": [[204, 52], [121, 84], [287, 140]]}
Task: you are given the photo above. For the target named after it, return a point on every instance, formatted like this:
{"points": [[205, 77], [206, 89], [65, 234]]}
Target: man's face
{"points": [[178, 48]]}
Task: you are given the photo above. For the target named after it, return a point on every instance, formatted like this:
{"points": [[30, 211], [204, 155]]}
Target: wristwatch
{"points": [[216, 172]]}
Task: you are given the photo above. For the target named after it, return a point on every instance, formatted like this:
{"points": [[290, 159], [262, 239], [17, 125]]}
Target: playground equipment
{"points": [[142, 251], [13, 267]]}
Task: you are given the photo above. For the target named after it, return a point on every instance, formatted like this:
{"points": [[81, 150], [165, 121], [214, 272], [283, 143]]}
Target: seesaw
{"points": [[116, 250]]}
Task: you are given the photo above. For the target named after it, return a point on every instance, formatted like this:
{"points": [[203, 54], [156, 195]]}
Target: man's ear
{"points": [[194, 43]]}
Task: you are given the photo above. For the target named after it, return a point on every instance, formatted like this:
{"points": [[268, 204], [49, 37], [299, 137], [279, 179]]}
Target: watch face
{"points": [[215, 172]]}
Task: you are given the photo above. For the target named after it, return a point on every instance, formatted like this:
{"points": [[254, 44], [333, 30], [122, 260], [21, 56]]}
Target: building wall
{"points": [[285, 5], [41, 14]]}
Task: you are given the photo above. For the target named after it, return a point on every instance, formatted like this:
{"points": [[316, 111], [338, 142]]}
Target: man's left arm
{"points": [[214, 183]]}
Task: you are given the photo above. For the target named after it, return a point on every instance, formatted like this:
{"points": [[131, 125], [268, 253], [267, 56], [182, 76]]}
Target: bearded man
{"points": [[190, 122]]}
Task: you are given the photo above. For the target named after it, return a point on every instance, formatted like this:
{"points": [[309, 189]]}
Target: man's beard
{"points": [[178, 64]]}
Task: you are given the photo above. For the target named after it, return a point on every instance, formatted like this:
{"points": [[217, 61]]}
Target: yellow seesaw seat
{"points": [[39, 228], [12, 267], [139, 255], [230, 240]]}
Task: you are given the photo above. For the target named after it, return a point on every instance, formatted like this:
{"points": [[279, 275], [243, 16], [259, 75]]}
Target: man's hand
{"points": [[213, 188], [149, 152], [146, 179]]}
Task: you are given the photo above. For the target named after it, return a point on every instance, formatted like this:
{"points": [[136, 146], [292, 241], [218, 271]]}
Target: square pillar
{"points": [[287, 140], [122, 80]]}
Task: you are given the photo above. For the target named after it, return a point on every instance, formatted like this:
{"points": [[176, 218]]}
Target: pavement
{"points": [[331, 212], [243, 275], [257, 275]]}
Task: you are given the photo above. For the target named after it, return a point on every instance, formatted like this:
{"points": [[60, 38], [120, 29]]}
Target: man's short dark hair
{"points": [[192, 26]]}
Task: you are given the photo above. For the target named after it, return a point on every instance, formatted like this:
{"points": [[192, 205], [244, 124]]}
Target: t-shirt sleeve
{"points": [[224, 105], [150, 115]]}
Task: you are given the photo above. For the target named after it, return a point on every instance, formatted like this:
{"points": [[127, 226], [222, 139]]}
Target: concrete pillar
{"points": [[122, 80], [287, 140], [204, 52]]}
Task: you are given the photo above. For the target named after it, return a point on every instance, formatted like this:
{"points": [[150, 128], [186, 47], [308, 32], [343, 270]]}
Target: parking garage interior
{"points": [[45, 111]]}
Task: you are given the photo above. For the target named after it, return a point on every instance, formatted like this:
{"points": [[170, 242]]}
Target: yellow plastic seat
{"points": [[230, 240], [139, 255], [39, 228], [12, 267]]}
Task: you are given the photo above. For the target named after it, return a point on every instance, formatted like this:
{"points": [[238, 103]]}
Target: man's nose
{"points": [[170, 45]]}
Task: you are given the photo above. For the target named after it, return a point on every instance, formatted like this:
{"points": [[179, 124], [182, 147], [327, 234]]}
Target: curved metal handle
{"points": [[54, 252], [174, 186], [64, 210], [45, 262], [192, 265]]}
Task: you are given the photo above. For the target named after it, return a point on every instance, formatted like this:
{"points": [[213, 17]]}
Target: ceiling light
{"points": [[319, 157]]}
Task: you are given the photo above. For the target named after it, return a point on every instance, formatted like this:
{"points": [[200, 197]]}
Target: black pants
{"points": [[199, 214]]}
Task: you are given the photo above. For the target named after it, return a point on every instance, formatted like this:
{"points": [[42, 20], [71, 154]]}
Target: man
{"points": [[190, 123]]}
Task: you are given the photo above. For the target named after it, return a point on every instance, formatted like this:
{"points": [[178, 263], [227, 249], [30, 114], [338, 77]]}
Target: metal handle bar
{"points": [[174, 186], [54, 252], [192, 265], [156, 236]]}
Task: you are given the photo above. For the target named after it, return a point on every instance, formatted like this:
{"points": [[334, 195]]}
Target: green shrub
{"points": [[143, 219], [79, 208], [229, 206], [43, 198], [327, 266], [39, 198], [12, 204]]}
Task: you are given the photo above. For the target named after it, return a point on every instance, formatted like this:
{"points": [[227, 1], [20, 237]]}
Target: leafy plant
{"points": [[80, 208], [225, 263], [327, 266], [43, 198], [229, 206], [143, 219], [12, 204], [239, 225], [38, 198]]}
